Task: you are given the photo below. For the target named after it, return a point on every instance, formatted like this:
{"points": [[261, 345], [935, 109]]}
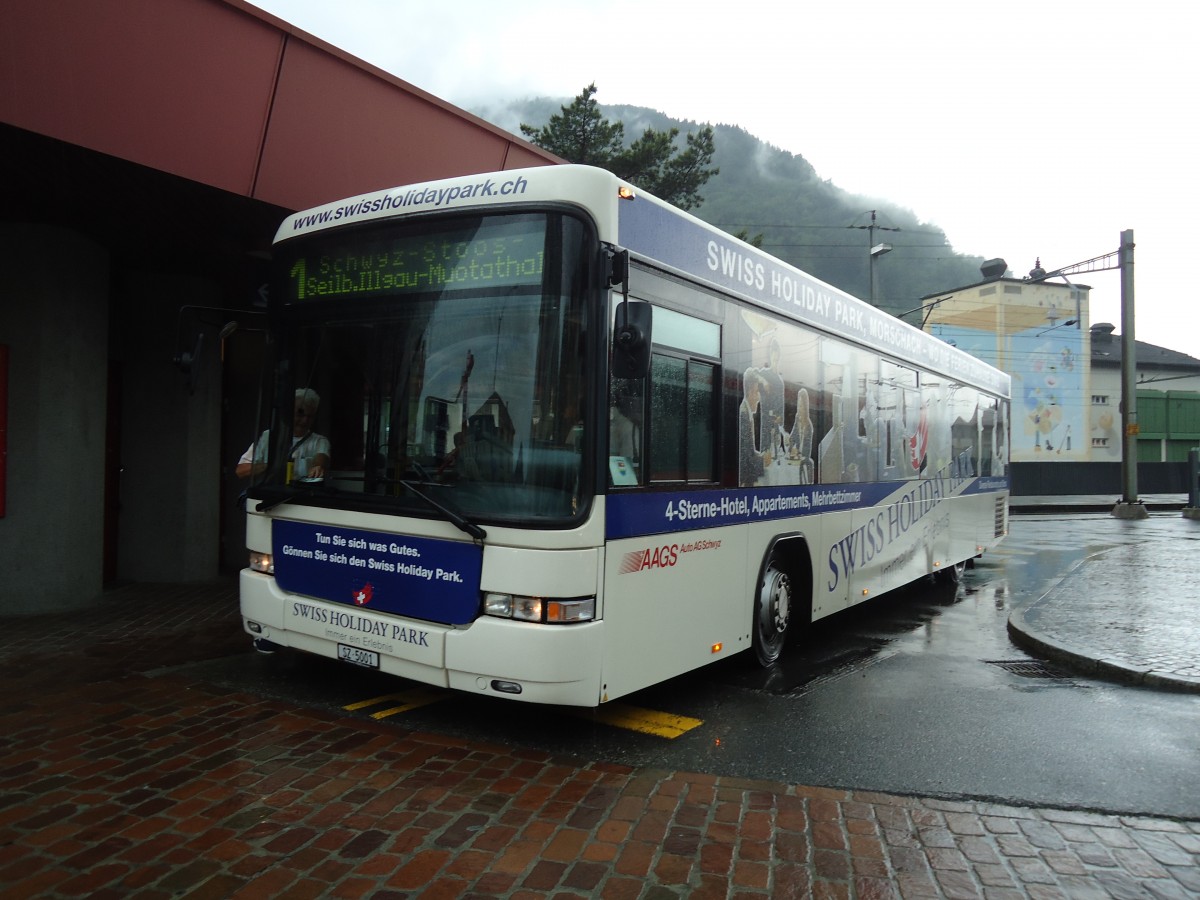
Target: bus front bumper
{"points": [[557, 664]]}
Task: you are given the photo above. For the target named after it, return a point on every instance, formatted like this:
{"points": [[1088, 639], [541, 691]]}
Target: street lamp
{"points": [[1059, 325], [877, 251]]}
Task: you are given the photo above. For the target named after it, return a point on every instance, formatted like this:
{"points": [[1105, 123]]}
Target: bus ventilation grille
{"points": [[1001, 517]]}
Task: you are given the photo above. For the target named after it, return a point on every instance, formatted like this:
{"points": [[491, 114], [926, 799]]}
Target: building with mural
{"points": [[1038, 333], [1066, 393]]}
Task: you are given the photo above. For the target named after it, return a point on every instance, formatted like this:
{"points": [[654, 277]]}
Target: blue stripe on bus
{"points": [[635, 514]]}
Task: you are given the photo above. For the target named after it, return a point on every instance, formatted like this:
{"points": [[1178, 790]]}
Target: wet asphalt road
{"points": [[920, 693]]}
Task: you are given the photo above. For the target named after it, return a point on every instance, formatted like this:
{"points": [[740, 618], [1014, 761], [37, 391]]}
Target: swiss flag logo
{"points": [[363, 595]]}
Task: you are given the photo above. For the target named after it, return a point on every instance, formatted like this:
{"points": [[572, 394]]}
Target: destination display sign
{"points": [[506, 251]]}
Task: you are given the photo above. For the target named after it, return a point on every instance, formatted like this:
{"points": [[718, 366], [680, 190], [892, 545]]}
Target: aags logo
{"points": [[650, 558]]}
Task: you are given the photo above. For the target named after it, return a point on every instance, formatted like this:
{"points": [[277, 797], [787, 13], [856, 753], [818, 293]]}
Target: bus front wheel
{"points": [[772, 610]]}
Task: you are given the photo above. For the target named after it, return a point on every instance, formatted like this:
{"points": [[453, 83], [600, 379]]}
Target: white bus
{"points": [[580, 442]]}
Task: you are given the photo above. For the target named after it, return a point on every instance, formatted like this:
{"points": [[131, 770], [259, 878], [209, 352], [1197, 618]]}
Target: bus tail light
{"points": [[539, 609], [262, 562]]}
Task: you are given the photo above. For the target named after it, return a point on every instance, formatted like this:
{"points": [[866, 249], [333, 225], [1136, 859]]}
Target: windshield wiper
{"points": [[291, 491], [459, 521]]}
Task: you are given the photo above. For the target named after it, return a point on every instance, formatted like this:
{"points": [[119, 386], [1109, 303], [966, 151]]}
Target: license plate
{"points": [[358, 656]]}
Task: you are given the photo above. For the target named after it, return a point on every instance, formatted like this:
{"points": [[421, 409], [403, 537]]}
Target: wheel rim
{"points": [[772, 611]]}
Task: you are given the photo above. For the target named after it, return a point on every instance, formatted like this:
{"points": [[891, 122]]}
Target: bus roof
{"points": [[592, 188], [685, 244], [672, 239]]}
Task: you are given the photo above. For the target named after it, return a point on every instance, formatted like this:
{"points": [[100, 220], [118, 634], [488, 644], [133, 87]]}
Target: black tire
{"points": [[772, 614], [954, 574]]}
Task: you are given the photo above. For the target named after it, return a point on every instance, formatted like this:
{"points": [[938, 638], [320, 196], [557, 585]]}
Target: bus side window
{"points": [[682, 426], [627, 402]]}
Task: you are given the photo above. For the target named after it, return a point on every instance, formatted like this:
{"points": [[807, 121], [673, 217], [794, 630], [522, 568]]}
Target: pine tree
{"points": [[581, 134]]}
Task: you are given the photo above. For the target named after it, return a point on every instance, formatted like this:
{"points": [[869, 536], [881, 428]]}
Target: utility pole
{"points": [[876, 251], [1130, 506]]}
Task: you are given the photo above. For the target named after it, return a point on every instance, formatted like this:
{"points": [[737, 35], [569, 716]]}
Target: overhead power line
{"points": [[758, 227]]}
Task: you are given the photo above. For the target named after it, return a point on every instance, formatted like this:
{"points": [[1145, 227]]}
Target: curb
{"points": [[1022, 507], [1035, 640]]}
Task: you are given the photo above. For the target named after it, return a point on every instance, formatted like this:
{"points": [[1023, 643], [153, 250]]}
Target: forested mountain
{"points": [[808, 221]]}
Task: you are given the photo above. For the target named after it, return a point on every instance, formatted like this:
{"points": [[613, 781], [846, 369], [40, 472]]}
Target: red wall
{"points": [[219, 92]]}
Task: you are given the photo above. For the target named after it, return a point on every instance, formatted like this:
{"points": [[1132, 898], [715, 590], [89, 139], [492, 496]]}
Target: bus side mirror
{"points": [[632, 340]]}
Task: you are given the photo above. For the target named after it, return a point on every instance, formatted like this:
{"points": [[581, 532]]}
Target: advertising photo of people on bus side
{"points": [[824, 412]]}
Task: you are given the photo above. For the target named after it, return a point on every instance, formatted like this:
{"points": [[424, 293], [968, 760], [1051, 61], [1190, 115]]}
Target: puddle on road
{"points": [[847, 643]]}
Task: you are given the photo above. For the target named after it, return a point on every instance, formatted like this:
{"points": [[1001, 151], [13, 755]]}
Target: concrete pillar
{"points": [[54, 309], [171, 427]]}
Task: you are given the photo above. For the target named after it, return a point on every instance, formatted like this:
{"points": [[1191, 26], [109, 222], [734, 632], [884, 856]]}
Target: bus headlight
{"points": [[539, 609], [527, 609], [262, 562], [498, 605]]}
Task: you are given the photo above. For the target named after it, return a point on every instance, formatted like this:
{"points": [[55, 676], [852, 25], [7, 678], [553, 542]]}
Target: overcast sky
{"points": [[1022, 129]]}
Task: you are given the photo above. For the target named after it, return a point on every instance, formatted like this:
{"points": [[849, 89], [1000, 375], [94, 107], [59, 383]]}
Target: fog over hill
{"points": [[804, 219]]}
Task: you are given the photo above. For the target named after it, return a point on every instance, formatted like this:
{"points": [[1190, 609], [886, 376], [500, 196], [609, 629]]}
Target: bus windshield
{"points": [[444, 366]]}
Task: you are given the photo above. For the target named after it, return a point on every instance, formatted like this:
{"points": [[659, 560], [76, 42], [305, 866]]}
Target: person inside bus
{"points": [[309, 451]]}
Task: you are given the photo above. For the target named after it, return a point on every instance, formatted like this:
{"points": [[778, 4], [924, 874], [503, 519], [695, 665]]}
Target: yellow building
{"points": [[1066, 388], [1037, 331]]}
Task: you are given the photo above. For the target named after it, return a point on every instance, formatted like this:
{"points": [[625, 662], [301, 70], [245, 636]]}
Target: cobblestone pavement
{"points": [[121, 779], [1131, 613]]}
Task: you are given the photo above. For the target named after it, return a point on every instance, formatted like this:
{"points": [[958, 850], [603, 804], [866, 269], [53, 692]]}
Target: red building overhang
{"points": [[220, 92]]}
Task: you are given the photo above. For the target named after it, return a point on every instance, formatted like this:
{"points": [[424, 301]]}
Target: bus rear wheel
{"points": [[772, 610]]}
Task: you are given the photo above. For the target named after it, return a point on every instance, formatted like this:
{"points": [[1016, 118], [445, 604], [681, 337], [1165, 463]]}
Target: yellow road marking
{"points": [[413, 699], [647, 721], [362, 704], [618, 715]]}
